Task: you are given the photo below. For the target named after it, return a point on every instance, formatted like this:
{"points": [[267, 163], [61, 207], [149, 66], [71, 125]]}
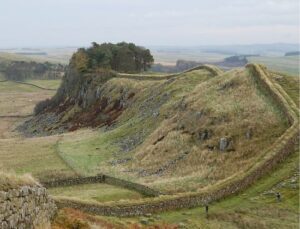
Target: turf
{"points": [[95, 192], [257, 207]]}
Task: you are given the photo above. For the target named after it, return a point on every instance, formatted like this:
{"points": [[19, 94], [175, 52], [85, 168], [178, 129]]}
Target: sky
{"points": [[48, 23]]}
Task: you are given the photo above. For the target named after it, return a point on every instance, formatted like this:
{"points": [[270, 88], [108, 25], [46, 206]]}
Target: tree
{"points": [[122, 57]]}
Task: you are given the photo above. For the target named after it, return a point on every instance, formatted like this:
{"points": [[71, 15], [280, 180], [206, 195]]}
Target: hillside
{"points": [[189, 130], [159, 118]]}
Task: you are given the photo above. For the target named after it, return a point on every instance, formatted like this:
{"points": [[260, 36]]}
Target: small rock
{"points": [[155, 114], [148, 215], [181, 225], [223, 144], [249, 134], [144, 221]]}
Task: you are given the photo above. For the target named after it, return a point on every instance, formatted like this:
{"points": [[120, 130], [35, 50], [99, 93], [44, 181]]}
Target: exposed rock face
{"points": [[82, 100], [26, 207]]}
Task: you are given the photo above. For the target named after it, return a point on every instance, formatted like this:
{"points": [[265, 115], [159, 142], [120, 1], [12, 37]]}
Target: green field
{"points": [[170, 57], [51, 84], [95, 192], [285, 64]]}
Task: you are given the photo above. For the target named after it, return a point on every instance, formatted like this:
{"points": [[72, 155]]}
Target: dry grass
{"points": [[230, 106], [9, 180], [37, 156]]}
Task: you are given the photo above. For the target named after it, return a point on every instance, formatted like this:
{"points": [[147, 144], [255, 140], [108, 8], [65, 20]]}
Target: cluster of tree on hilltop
{"points": [[121, 57]]}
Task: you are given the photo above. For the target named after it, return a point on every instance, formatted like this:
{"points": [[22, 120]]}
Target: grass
{"points": [[95, 192], [36, 156], [290, 84], [61, 57], [9, 180], [286, 64], [91, 152], [225, 113], [166, 57], [51, 84], [17, 99], [256, 207]]}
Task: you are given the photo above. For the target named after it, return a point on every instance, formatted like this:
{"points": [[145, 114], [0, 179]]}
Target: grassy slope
{"points": [[257, 207], [290, 84], [102, 146], [288, 65], [254, 208], [227, 114]]}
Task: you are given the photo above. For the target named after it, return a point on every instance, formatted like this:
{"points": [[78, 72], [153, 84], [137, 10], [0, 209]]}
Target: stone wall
{"points": [[279, 151], [101, 178], [146, 191], [26, 207]]}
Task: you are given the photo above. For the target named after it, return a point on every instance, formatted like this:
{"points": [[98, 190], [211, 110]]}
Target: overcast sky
{"points": [[25, 23]]}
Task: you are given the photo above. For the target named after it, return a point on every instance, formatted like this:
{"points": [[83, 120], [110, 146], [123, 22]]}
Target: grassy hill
{"points": [[167, 134]]}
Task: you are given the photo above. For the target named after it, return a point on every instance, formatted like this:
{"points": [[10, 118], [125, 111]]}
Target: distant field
{"points": [[170, 58], [20, 99], [285, 64], [36, 156], [52, 55], [2, 76], [95, 192], [51, 84]]}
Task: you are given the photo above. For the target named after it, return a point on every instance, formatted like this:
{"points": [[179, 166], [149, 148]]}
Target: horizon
{"points": [[170, 23]]}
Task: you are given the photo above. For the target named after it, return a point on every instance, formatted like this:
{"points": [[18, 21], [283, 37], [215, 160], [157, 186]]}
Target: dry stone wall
{"points": [[101, 178], [26, 207]]}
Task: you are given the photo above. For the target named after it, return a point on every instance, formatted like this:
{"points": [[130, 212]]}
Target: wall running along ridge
{"points": [[101, 178], [279, 151], [212, 69], [26, 207]]}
